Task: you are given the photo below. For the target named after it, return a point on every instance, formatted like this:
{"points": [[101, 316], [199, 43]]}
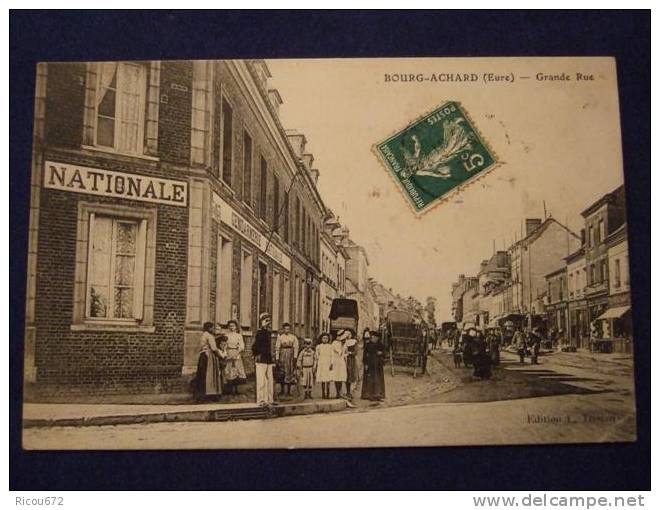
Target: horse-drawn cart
{"points": [[406, 342]]}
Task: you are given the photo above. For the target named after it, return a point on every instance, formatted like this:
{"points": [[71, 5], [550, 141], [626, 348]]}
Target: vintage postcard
{"points": [[231, 254]]}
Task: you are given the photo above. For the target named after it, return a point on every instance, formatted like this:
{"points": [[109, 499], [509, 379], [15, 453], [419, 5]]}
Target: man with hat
{"points": [[263, 361]]}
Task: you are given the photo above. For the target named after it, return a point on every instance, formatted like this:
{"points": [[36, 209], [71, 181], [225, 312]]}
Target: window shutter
{"points": [[140, 257]]}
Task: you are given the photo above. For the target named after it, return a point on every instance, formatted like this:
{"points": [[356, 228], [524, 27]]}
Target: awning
{"points": [[613, 313]]}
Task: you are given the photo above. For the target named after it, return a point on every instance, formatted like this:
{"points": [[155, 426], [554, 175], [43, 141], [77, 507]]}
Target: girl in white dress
{"points": [[323, 364], [339, 353], [234, 368]]}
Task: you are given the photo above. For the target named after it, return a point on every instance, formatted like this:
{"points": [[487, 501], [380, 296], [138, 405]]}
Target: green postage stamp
{"points": [[436, 155]]}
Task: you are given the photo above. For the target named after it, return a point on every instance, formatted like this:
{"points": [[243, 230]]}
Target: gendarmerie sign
{"points": [[108, 183], [222, 211]]}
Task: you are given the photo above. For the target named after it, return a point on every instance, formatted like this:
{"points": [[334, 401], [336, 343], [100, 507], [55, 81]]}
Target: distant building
{"points": [[618, 317], [578, 323], [541, 251], [556, 306], [602, 218]]}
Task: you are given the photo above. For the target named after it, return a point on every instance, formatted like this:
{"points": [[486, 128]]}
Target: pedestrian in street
{"points": [[519, 344], [286, 354], [338, 369], [306, 362], [494, 342], [458, 353], [234, 370], [208, 380], [481, 357], [534, 342], [263, 362], [373, 381], [466, 341], [351, 346], [323, 364]]}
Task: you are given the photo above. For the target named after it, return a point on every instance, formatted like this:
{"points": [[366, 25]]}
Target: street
{"points": [[568, 398]]}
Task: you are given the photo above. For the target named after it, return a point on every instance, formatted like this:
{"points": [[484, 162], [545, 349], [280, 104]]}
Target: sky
{"points": [[557, 141]]}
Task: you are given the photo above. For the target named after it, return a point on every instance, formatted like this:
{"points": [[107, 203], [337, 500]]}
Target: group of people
{"points": [[332, 361], [479, 350], [527, 341]]}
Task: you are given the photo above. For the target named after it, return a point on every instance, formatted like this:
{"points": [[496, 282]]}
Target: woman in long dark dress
{"points": [[373, 382], [208, 380]]}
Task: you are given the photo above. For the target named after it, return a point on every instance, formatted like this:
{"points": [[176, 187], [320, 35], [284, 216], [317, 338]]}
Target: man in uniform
{"points": [[263, 362]]}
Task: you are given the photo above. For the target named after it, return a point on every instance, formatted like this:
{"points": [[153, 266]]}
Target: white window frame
{"points": [[277, 284], [223, 293], [144, 283], [119, 114], [245, 291]]}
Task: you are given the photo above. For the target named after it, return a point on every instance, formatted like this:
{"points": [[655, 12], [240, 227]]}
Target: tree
{"points": [[430, 310]]}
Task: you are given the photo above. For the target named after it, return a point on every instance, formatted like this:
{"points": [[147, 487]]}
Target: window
{"points": [[121, 92], [276, 204], [263, 183], [286, 300], [617, 274], [303, 241], [603, 270], [262, 286], [297, 226], [592, 242], [223, 281], [601, 231], [593, 274], [115, 268], [247, 168], [285, 214], [227, 141], [246, 289], [297, 294], [276, 300]]}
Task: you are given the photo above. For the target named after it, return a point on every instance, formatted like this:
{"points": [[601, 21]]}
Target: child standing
{"points": [[306, 361], [323, 364]]}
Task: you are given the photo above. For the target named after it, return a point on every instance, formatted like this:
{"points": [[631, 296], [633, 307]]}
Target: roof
{"points": [[541, 228], [612, 196], [562, 269], [618, 235], [575, 255]]}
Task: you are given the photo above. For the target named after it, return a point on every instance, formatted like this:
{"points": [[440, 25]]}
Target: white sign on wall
{"points": [[108, 183], [225, 213]]}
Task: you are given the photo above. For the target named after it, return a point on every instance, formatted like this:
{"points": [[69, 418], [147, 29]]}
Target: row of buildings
{"points": [[165, 195], [576, 286]]}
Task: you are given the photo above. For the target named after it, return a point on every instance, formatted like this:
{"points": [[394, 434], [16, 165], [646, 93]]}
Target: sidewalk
{"points": [[74, 415]]}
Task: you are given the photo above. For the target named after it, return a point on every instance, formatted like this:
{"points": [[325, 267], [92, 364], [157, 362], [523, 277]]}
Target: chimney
{"points": [[531, 224], [275, 99], [263, 73], [308, 160], [298, 141]]}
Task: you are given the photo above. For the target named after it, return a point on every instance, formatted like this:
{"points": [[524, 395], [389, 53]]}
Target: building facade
{"points": [[164, 195], [556, 306], [618, 316], [578, 323], [542, 250], [601, 219]]}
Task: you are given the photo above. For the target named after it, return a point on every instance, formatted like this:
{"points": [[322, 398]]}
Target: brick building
{"points": [[106, 300], [164, 194]]}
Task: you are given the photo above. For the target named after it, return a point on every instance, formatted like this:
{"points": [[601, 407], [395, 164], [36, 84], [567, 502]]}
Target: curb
{"points": [[209, 415]]}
